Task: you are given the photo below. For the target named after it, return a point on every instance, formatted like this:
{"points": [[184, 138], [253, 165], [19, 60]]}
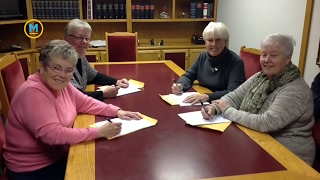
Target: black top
{"points": [[221, 74], [315, 87], [99, 79]]}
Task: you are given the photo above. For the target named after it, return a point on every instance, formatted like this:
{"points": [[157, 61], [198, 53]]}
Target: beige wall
{"points": [[249, 21], [311, 69]]}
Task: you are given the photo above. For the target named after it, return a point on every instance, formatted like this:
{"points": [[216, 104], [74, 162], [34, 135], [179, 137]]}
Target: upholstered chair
{"points": [[121, 46], [11, 77], [251, 59]]}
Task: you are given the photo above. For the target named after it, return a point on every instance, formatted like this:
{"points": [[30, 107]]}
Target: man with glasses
{"points": [[78, 33]]}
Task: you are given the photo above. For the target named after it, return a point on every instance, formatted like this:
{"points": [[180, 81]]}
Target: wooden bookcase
{"points": [[176, 32]]}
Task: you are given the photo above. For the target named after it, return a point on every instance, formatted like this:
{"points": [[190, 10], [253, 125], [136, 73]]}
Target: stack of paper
{"points": [[174, 99], [134, 86], [129, 126], [195, 118]]}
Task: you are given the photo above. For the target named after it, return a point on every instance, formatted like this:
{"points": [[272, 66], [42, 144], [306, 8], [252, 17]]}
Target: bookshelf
{"points": [[176, 32], [156, 28]]}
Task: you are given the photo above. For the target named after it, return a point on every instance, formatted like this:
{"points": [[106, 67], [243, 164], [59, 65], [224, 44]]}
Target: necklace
{"points": [[215, 69]]}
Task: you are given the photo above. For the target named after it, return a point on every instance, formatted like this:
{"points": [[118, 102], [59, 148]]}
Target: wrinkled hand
{"points": [[221, 104], [195, 98], [110, 91], [210, 112], [127, 115], [176, 88], [110, 129], [124, 83]]}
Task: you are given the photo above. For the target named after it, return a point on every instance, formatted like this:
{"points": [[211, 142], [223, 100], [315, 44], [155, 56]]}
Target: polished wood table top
{"points": [[172, 149]]}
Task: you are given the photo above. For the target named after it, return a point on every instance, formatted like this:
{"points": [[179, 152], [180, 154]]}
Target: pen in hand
{"points": [[109, 120], [175, 82], [205, 110]]}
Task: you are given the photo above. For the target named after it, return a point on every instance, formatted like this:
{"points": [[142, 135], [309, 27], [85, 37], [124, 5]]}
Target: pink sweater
{"points": [[39, 127]]}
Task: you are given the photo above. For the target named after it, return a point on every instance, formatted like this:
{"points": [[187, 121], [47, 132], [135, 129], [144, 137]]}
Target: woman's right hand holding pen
{"points": [[109, 129], [208, 112], [176, 88]]}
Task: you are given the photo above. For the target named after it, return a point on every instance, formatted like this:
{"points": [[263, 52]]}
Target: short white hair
{"points": [[75, 24], [216, 30], [286, 42]]}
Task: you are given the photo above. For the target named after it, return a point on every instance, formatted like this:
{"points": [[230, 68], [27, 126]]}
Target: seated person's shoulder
{"points": [[298, 86]]}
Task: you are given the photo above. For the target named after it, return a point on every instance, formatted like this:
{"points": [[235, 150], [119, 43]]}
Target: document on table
{"points": [[134, 86], [98, 43], [129, 126], [174, 99], [195, 118]]}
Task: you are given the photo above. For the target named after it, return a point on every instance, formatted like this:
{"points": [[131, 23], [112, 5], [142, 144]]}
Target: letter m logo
{"points": [[33, 27]]}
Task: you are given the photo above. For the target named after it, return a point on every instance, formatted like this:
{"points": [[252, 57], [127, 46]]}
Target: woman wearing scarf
{"points": [[275, 101]]}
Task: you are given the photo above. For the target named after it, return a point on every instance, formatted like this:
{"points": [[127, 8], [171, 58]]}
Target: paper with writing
{"points": [[195, 118], [129, 126]]}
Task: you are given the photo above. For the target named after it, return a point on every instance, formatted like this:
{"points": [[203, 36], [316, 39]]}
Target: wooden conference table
{"points": [[172, 149]]}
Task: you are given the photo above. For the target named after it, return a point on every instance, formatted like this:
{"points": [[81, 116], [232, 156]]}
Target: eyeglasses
{"points": [[58, 69], [79, 38]]}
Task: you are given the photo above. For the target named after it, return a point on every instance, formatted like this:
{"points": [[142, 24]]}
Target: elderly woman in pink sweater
{"points": [[39, 126]]}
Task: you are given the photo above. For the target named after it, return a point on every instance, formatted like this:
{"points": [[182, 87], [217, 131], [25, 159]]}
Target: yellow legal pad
{"points": [[139, 84], [129, 126], [218, 127]]}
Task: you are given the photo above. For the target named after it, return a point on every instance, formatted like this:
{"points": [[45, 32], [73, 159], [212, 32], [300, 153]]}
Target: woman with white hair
{"points": [[78, 34], [275, 101], [218, 68]]}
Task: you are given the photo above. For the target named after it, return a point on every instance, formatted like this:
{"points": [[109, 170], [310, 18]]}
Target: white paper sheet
{"points": [[123, 91], [128, 126], [195, 118], [179, 98]]}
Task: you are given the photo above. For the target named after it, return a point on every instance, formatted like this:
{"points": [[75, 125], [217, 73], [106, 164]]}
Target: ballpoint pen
{"points": [[108, 120], [205, 110]]}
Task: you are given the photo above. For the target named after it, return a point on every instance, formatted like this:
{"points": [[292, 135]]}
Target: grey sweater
{"points": [[229, 76], [287, 115]]}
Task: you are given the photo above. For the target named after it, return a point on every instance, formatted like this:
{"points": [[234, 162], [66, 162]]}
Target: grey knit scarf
{"points": [[262, 87]]}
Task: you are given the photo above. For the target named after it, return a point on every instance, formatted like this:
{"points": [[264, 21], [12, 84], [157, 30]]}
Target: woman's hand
{"points": [[221, 104], [124, 83], [110, 91], [208, 112], [176, 88], [127, 115], [195, 98], [109, 130]]}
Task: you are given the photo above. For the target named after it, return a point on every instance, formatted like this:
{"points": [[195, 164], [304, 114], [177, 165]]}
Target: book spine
{"points": [[110, 10], [35, 9], [104, 11], [133, 11], [199, 10], [77, 9], [66, 5], [121, 10], [142, 11], [146, 11], [151, 11], [115, 10], [138, 11], [205, 10], [71, 10], [89, 9], [97, 11], [193, 10]]}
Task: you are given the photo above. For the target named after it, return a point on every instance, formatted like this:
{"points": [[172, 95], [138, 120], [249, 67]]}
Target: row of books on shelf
{"points": [[142, 10], [55, 9], [201, 10], [108, 10]]}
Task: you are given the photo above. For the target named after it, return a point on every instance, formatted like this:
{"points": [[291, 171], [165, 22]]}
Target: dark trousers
{"points": [[54, 171]]}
